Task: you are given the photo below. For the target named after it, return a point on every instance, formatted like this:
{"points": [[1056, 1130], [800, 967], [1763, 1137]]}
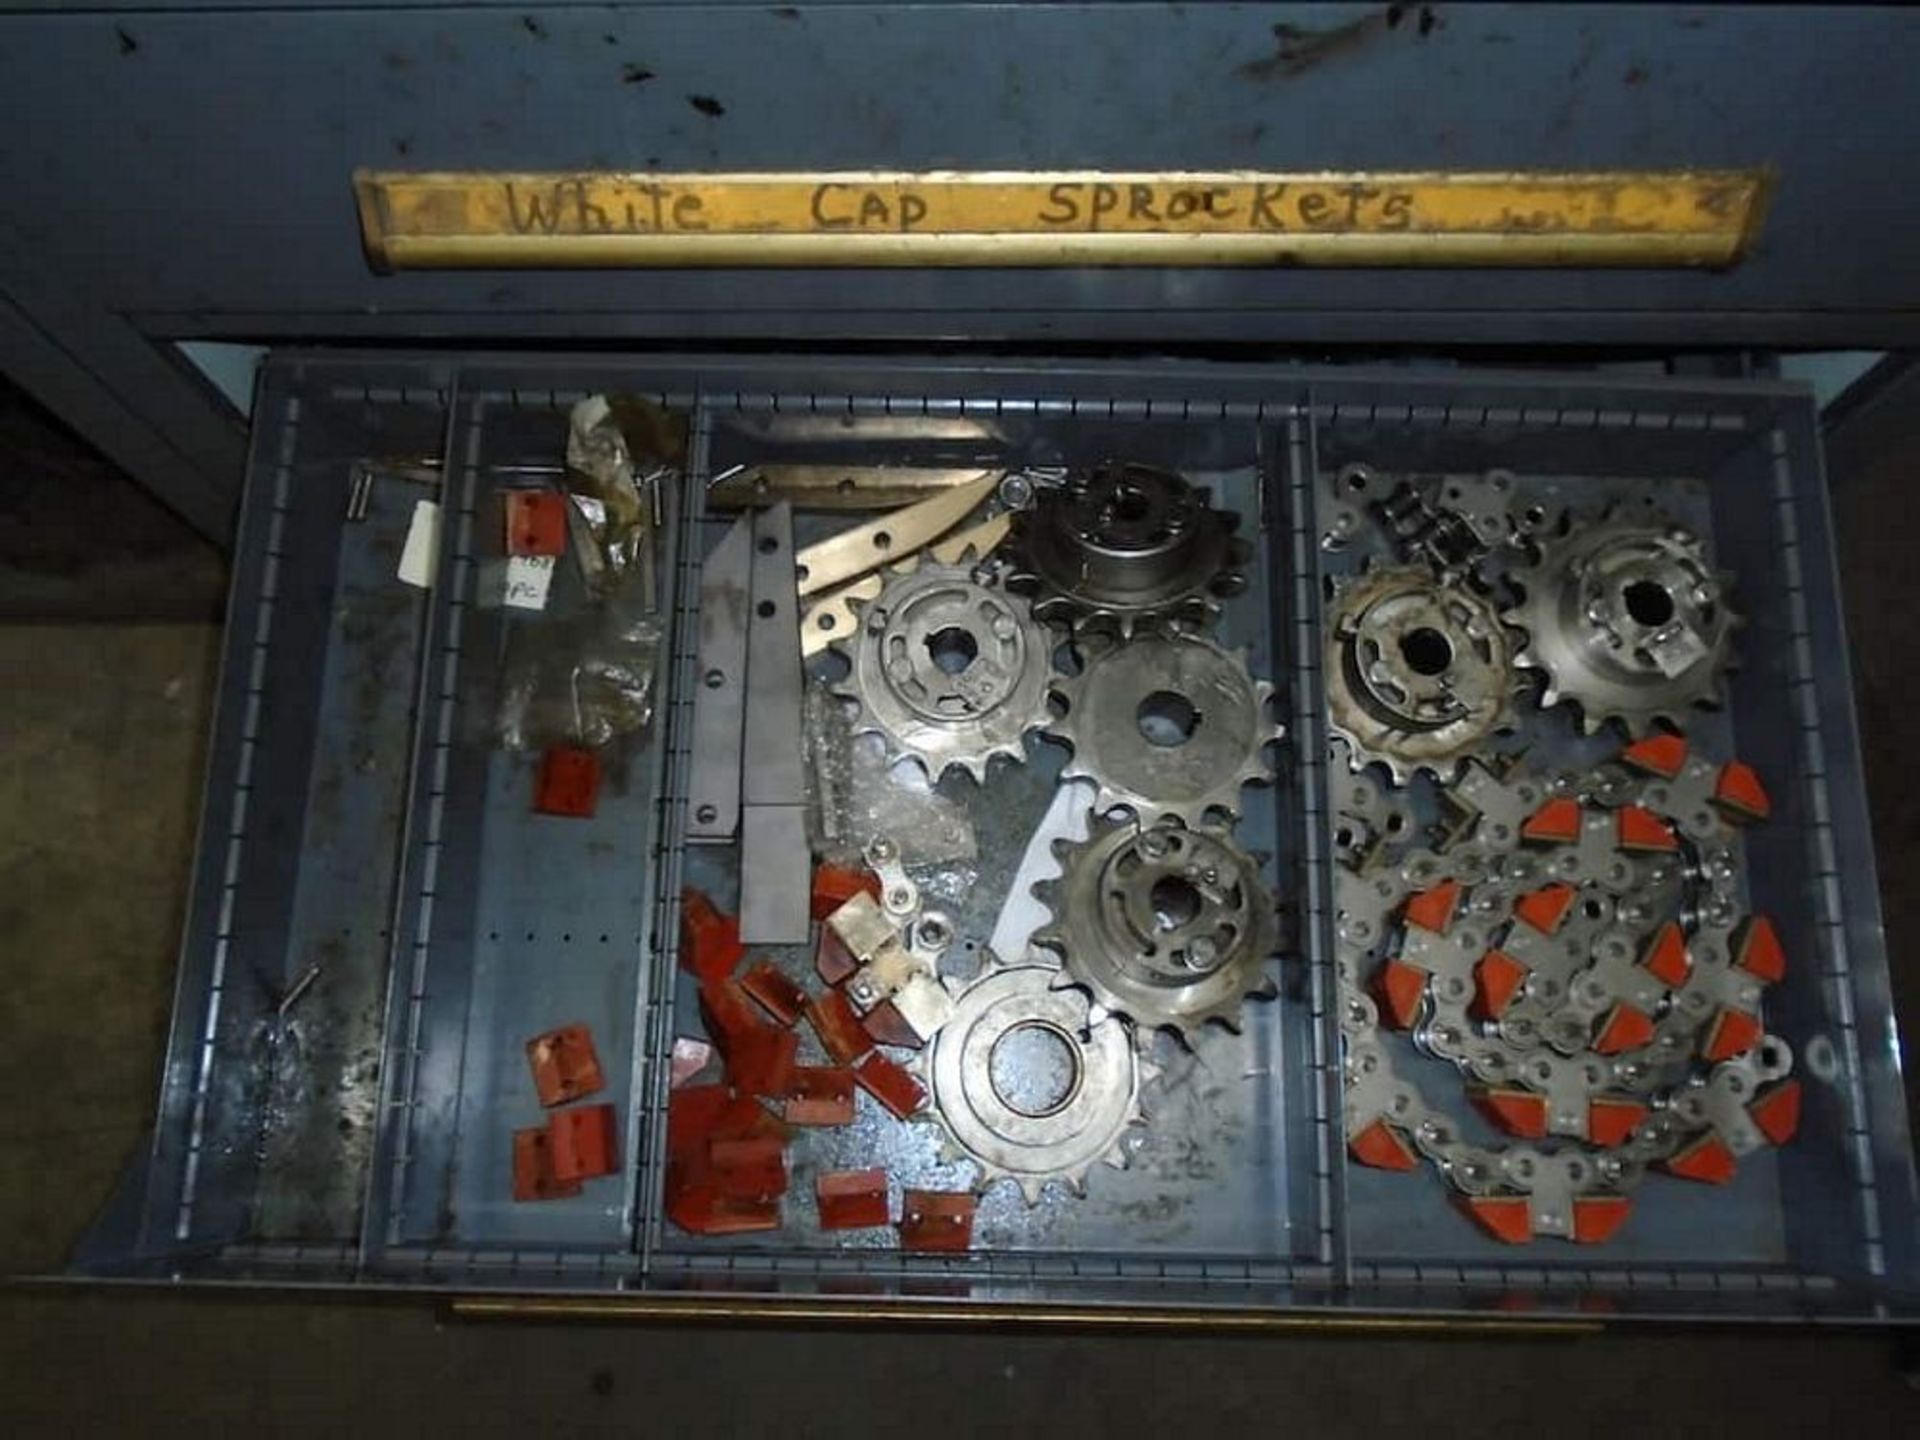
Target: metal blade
{"points": [[888, 537]]}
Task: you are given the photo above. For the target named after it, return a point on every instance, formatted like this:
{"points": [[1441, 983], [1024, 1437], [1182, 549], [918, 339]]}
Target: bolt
{"points": [[1016, 492]]}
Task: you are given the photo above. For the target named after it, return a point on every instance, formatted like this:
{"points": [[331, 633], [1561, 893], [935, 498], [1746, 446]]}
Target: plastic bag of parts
{"points": [[585, 673], [857, 796], [620, 452], [583, 680]]}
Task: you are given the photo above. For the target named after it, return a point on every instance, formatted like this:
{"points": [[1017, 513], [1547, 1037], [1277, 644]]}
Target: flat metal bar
{"points": [[775, 872], [720, 697], [775, 864], [773, 773], [1002, 218]]}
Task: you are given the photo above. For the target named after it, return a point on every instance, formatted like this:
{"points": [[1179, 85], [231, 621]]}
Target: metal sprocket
{"points": [[1628, 620], [1124, 545], [948, 668], [1046, 1115], [1166, 726], [1419, 670], [1166, 925]]}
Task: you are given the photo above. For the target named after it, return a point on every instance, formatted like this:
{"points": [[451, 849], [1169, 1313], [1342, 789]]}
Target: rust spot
{"points": [[127, 43], [632, 74], [786, 12], [707, 106], [1429, 21], [1636, 75], [533, 27]]}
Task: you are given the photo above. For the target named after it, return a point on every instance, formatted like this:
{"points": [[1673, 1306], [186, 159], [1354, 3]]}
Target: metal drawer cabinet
{"points": [[353, 1124]]}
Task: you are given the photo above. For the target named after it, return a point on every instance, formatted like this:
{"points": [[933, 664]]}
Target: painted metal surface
{"points": [[612, 221], [187, 172]]}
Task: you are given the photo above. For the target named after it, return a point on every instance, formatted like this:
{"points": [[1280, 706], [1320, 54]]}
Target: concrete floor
{"points": [[101, 735]]}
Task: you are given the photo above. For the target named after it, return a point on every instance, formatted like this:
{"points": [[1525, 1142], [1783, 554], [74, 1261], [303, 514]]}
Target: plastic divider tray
{"points": [[359, 817]]}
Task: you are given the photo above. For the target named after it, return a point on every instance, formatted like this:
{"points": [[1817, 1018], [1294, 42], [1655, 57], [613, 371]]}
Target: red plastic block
{"points": [[851, 1199], [1661, 755], [731, 1018], [696, 1205], [693, 1113], [1432, 909], [1740, 795], [820, 1095], [1706, 1160], [1777, 1112], [1610, 1122], [1637, 828], [1497, 978], [1597, 1217], [1733, 1033], [832, 961], [1398, 986], [584, 1142], [778, 995], [1757, 949], [834, 1021], [536, 522], [565, 1066], [568, 782], [533, 1177], [710, 945], [834, 885], [1666, 957], [700, 1114], [763, 1064], [1518, 1112], [1557, 822], [1545, 909], [1505, 1217], [891, 1085], [1625, 1028], [1383, 1147], [937, 1220], [886, 1025], [751, 1168]]}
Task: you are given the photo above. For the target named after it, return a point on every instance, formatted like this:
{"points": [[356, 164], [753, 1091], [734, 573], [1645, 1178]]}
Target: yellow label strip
{"points": [[442, 221]]}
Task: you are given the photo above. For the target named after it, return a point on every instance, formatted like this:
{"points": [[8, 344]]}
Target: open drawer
{"points": [[361, 816]]}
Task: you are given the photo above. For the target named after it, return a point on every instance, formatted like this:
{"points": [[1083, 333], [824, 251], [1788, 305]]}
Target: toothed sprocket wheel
{"points": [[1628, 620], [1166, 725], [1125, 545], [948, 668], [1166, 925], [1419, 670], [1028, 1086]]}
